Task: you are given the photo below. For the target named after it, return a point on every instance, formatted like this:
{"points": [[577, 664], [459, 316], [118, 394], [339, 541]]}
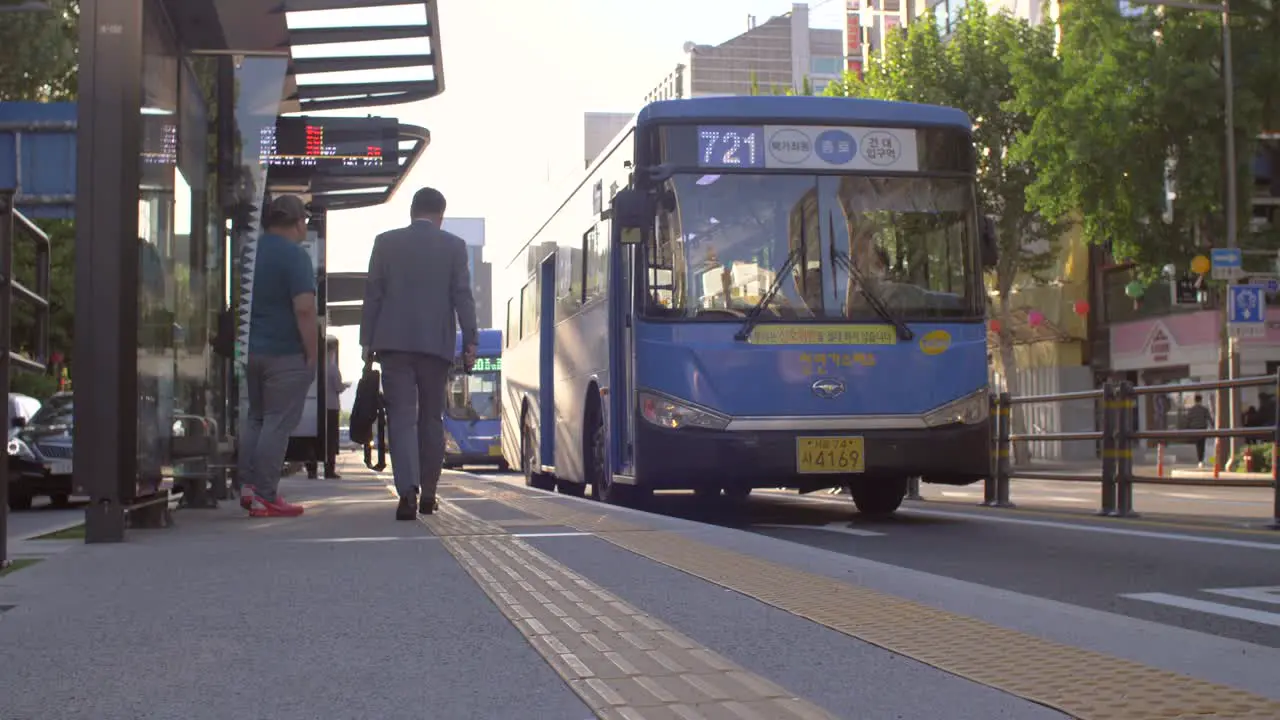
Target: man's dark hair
{"points": [[1199, 398], [427, 201]]}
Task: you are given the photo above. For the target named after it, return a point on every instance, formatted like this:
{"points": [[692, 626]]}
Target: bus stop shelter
{"points": [[176, 99]]}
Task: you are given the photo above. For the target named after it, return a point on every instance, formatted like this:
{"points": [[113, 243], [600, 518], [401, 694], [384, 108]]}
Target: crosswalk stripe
{"points": [[1212, 608], [1269, 595]]}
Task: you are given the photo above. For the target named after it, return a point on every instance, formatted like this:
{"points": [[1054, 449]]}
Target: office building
{"points": [[471, 230]]}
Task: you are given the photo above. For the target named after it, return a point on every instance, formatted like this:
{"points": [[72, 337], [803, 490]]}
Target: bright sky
{"points": [[507, 131]]}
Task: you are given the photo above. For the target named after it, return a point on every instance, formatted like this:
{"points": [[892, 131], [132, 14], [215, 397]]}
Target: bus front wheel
{"points": [[598, 473], [878, 497], [533, 477]]}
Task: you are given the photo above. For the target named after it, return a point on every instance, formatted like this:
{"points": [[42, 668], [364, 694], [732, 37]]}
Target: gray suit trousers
{"points": [[413, 385]]}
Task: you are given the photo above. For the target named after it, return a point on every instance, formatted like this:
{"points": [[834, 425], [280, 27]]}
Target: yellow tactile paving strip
{"points": [[623, 663], [1080, 683]]}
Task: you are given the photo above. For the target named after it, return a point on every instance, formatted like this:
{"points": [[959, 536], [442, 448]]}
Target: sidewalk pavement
{"points": [[523, 605]]}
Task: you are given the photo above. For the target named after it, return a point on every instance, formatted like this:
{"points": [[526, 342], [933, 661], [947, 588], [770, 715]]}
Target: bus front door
{"points": [[546, 362]]}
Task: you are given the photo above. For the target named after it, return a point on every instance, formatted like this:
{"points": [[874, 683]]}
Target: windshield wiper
{"points": [[841, 258], [753, 314]]}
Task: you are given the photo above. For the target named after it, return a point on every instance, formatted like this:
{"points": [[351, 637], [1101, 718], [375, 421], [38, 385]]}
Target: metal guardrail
{"points": [[1117, 479], [13, 226]]}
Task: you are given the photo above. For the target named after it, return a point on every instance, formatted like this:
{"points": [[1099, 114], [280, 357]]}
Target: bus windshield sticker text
{"points": [[721, 146], [487, 364], [824, 335], [824, 363], [845, 148]]}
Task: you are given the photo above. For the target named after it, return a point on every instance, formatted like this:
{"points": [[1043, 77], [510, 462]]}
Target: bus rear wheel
{"points": [[878, 497], [533, 477]]}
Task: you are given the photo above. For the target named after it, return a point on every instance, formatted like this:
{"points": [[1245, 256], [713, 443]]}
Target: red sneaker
{"points": [[274, 508], [246, 497]]}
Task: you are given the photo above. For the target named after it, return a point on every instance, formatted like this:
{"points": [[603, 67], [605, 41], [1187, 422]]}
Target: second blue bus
{"points": [[472, 412], [757, 292]]}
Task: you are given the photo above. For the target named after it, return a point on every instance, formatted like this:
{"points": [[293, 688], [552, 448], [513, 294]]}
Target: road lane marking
{"points": [[1269, 595], [843, 530], [1205, 606], [387, 538]]}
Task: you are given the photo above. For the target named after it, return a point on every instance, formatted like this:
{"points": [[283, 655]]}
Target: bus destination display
{"points": [[487, 364], [728, 146], [302, 146], [803, 147]]}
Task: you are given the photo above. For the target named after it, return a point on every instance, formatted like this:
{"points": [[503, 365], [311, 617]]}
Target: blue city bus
{"points": [[757, 292], [472, 414]]}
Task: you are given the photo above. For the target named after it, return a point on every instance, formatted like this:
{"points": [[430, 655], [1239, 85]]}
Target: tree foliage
{"points": [[1134, 99], [39, 58]]}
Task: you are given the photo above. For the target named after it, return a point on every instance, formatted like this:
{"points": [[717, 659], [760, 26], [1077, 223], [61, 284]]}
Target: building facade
{"points": [[471, 230], [782, 53]]}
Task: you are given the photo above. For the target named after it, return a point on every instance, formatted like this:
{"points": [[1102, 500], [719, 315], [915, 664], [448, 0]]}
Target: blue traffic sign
{"points": [[1273, 286], [1226, 257], [1247, 304]]}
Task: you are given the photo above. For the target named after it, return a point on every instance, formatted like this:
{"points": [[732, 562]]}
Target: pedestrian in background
{"points": [[417, 294], [1199, 418], [334, 387], [283, 344]]}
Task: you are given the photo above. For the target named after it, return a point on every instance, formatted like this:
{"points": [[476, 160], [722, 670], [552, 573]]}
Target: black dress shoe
{"points": [[428, 505], [406, 510]]}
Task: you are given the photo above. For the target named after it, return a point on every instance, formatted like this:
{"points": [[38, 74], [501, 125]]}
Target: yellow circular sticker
{"points": [[935, 343]]}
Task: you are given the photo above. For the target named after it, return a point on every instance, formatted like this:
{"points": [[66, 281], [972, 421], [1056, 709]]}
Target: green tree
{"points": [[1130, 100], [62, 291], [39, 58], [972, 72]]}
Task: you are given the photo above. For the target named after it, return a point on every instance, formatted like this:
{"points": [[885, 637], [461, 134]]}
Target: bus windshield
{"points": [[474, 396], [723, 241]]}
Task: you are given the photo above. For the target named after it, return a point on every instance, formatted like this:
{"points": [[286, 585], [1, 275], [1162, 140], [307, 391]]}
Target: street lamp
{"points": [[1228, 101]]}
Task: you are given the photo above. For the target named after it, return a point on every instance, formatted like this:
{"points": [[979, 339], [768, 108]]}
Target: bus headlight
{"points": [[20, 449], [968, 410], [666, 412], [451, 445]]}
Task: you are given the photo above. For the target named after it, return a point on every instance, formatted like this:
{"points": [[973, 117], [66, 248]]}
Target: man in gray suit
{"points": [[418, 284]]}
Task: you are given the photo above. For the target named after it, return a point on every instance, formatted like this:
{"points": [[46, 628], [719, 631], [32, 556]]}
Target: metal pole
{"points": [[1275, 459], [989, 487], [1005, 470], [1232, 209], [1109, 449], [6, 269], [1124, 444]]}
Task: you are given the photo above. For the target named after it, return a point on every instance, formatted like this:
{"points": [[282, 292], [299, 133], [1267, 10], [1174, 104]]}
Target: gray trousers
{"points": [[277, 387], [413, 385]]}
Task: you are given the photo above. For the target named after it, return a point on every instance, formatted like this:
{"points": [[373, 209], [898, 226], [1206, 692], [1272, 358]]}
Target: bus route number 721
{"points": [[729, 147]]}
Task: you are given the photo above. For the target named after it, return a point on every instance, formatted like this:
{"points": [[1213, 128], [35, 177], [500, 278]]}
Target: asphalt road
{"points": [[43, 518], [1221, 581]]}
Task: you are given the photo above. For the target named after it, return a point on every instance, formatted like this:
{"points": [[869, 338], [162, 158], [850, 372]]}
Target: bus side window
{"points": [[595, 265], [529, 308], [513, 323]]}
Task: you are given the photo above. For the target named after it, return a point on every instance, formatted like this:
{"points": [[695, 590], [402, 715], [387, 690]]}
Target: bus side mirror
{"points": [[632, 213], [987, 238]]}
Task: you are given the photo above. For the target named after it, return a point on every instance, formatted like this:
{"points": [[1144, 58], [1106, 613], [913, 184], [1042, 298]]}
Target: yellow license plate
{"points": [[830, 455], [495, 450]]}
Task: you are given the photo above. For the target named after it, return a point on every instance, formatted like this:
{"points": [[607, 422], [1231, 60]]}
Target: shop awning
{"points": [[333, 45]]}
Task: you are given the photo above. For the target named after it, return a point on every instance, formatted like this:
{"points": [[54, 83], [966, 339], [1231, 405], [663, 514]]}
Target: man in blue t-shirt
{"points": [[283, 344]]}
